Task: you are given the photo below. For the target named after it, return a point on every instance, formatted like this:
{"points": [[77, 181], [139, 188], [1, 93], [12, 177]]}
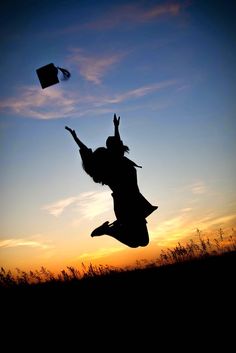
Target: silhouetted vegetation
{"points": [[203, 248], [192, 251]]}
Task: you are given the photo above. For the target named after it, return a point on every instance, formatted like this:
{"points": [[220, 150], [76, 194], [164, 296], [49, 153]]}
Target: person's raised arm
{"points": [[77, 140], [116, 122]]}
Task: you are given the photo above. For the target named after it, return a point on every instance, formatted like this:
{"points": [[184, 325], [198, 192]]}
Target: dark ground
{"points": [[186, 301], [210, 275]]}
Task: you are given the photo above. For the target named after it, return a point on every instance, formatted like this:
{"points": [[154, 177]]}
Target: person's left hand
{"points": [[68, 128], [73, 133]]}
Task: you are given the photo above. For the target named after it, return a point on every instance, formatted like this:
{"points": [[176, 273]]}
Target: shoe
{"points": [[100, 230]]}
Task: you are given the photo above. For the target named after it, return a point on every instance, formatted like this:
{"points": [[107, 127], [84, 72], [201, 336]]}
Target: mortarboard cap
{"points": [[47, 75]]}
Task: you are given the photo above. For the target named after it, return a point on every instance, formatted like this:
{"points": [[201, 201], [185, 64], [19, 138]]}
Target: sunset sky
{"points": [[167, 68]]}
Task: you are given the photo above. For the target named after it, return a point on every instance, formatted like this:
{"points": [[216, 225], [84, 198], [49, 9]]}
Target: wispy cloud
{"points": [[139, 92], [55, 103], [129, 14], [88, 204], [198, 188], [183, 225], [93, 67], [92, 204], [155, 12], [12, 243], [187, 209], [216, 220], [58, 207], [51, 103]]}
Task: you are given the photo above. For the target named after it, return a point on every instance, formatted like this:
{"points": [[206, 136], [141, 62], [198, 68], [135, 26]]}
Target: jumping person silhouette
{"points": [[108, 165]]}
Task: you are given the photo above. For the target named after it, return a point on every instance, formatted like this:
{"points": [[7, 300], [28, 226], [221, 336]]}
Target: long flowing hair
{"points": [[101, 166]]}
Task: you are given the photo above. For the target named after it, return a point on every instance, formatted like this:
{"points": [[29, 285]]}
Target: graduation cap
{"points": [[47, 75]]}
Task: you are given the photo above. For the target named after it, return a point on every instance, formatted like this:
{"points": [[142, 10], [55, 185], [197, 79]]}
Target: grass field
{"points": [[205, 260], [187, 289]]}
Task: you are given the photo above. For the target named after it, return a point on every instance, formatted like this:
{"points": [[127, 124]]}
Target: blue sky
{"points": [[168, 69]]}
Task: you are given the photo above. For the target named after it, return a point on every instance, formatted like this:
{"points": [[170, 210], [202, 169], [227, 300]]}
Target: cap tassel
{"points": [[66, 73]]}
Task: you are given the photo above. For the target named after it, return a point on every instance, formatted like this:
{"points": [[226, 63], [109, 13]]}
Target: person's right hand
{"points": [[116, 120]]}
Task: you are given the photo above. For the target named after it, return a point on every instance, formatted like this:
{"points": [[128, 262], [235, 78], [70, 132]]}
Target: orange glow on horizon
{"points": [[120, 256]]}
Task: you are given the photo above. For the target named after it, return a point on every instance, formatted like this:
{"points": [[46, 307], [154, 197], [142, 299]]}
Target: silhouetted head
{"points": [[116, 146]]}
